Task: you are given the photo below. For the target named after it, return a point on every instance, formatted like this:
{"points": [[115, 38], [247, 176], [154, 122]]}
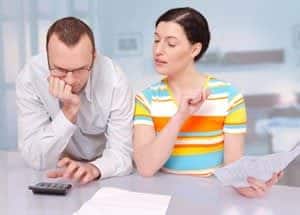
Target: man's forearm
{"points": [[41, 147]]}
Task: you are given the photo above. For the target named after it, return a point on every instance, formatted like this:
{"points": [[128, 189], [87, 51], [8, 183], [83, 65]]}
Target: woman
{"points": [[190, 122]]}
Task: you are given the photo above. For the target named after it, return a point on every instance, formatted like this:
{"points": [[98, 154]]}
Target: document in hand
{"points": [[109, 200], [260, 167]]}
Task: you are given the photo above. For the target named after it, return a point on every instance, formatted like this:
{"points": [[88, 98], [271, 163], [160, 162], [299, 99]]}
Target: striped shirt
{"points": [[199, 147]]}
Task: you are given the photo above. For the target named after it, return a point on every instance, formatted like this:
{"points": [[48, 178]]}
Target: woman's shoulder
{"points": [[216, 85], [154, 89]]}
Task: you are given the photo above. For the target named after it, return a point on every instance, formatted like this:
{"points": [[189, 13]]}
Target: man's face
{"points": [[71, 64]]}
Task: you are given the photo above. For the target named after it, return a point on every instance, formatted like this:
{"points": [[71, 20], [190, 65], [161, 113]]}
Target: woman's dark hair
{"points": [[193, 23]]}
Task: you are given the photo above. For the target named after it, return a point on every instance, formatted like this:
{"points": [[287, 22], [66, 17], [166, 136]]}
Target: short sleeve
{"points": [[236, 119], [142, 113]]}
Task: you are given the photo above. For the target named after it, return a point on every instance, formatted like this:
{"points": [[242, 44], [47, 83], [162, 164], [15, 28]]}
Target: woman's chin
{"points": [[161, 71]]}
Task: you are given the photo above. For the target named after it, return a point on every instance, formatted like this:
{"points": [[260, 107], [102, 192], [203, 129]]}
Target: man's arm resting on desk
{"points": [[116, 159], [40, 140]]}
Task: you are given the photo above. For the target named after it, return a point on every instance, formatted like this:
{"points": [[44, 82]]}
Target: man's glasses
{"points": [[60, 72], [64, 72]]}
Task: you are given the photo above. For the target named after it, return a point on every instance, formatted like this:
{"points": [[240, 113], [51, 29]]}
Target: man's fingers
{"points": [[248, 192], [67, 91], [272, 181], [64, 162], [56, 87], [79, 174], [55, 173], [259, 186], [61, 88], [87, 178], [280, 175], [71, 169], [51, 85]]}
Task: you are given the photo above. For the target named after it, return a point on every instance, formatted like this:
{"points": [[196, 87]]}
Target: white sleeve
{"points": [[41, 139], [117, 156]]}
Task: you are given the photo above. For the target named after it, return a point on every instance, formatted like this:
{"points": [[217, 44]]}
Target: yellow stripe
{"points": [[196, 150], [238, 116], [200, 173], [209, 138], [141, 109]]}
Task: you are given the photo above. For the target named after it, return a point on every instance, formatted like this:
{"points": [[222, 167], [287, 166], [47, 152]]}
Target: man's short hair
{"points": [[70, 30]]}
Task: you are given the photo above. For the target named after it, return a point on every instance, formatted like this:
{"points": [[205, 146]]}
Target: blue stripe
{"points": [[136, 118], [200, 134], [195, 162], [163, 93], [235, 126], [218, 90]]}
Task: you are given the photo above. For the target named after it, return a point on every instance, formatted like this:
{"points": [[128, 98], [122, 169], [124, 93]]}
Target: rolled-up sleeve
{"points": [[41, 139], [116, 159]]}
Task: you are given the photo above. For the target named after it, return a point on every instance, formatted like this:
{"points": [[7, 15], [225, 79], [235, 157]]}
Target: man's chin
{"points": [[76, 91]]}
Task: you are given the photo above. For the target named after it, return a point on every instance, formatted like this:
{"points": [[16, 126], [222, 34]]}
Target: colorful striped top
{"points": [[199, 147]]}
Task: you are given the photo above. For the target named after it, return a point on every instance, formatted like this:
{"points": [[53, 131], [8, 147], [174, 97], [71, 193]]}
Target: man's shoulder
{"points": [[108, 71], [36, 68]]}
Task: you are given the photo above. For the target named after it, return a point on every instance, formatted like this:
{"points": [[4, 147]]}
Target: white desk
{"points": [[190, 195]]}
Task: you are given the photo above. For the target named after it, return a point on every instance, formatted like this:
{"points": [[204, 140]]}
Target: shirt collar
{"points": [[89, 87]]}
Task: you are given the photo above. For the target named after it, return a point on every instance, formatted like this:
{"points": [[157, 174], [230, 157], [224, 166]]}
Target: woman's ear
{"points": [[196, 49]]}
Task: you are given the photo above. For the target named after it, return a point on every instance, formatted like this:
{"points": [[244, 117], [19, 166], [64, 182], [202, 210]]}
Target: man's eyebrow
{"points": [[61, 68]]}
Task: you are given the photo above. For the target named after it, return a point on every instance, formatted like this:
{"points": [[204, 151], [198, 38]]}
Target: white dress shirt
{"points": [[102, 133]]}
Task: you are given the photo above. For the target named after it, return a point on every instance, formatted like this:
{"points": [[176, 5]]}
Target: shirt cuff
{"points": [[105, 166], [62, 127]]}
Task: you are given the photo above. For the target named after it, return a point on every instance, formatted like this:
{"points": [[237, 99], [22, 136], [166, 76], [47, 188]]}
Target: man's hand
{"points": [[71, 102], [78, 171], [190, 103], [257, 187]]}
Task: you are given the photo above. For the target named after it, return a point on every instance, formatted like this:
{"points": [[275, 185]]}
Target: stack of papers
{"points": [[260, 167], [109, 200]]}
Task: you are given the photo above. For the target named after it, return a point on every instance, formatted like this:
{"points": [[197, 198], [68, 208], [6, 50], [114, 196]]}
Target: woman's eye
{"points": [[156, 41], [172, 45]]}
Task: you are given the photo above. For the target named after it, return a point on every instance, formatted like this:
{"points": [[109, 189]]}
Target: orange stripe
{"points": [[198, 137], [193, 124], [198, 145]]}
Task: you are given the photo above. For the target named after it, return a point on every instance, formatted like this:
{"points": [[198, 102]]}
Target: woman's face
{"points": [[172, 51]]}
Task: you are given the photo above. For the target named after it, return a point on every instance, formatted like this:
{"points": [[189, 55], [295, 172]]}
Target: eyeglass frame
{"points": [[66, 71]]}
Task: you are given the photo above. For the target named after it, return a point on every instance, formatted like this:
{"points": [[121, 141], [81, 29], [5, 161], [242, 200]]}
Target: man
{"points": [[74, 107]]}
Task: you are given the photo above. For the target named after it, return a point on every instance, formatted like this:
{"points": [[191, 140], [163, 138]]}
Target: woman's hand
{"points": [[190, 103], [257, 187]]}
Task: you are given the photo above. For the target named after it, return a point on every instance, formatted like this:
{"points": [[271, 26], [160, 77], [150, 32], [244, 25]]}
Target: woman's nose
{"points": [[158, 49]]}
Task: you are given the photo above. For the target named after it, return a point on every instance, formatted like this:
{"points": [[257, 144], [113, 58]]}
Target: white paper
{"points": [[260, 167], [109, 200]]}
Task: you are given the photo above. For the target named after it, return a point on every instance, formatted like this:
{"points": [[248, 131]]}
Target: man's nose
{"points": [[69, 78]]}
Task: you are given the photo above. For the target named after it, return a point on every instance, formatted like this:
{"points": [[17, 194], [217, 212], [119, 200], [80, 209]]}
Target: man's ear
{"points": [[196, 49]]}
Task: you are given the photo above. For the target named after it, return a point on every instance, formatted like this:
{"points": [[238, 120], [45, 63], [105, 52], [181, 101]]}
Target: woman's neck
{"points": [[186, 80]]}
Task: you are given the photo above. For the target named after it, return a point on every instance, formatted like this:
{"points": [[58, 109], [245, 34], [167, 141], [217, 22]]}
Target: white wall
{"points": [[235, 26]]}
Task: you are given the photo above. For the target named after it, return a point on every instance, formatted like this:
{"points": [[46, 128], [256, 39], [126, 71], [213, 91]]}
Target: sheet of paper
{"points": [[260, 167], [109, 200]]}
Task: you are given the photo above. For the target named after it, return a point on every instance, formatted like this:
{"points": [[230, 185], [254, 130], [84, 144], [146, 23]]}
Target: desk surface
{"points": [[191, 195]]}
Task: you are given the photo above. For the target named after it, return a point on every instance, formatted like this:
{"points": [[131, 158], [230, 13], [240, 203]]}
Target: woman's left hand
{"points": [[257, 187]]}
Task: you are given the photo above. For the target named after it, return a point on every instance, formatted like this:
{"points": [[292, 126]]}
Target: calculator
{"points": [[50, 188]]}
